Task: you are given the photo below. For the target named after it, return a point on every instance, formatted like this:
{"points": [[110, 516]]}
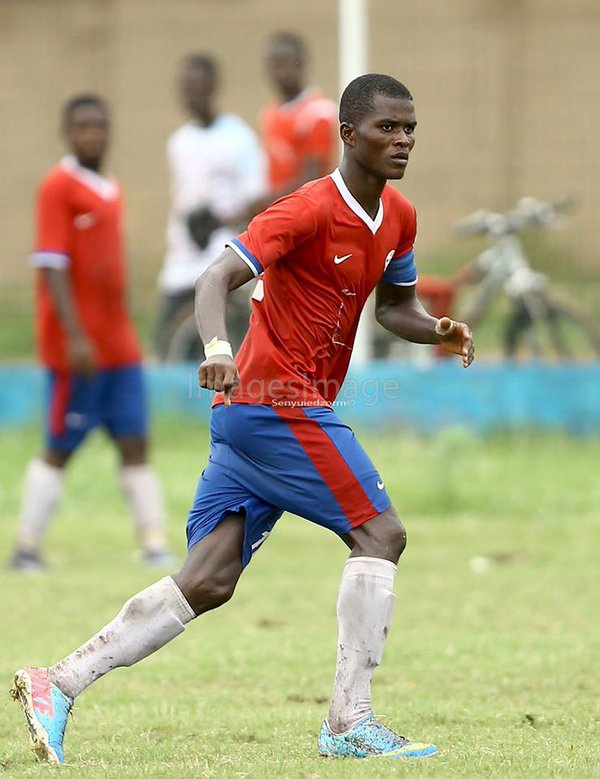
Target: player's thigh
{"points": [[306, 461], [71, 412], [226, 488], [124, 410]]}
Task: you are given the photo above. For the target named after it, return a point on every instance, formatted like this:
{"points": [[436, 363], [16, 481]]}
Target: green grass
{"points": [[498, 668]]}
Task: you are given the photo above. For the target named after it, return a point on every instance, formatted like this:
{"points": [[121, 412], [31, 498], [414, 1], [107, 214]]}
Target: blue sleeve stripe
{"points": [[250, 260], [401, 270]]}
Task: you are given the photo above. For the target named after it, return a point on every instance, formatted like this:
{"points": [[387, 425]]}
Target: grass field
{"points": [[498, 667]]}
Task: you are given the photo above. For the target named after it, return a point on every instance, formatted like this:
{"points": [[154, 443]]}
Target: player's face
{"points": [[87, 133], [382, 142], [196, 87], [285, 66]]}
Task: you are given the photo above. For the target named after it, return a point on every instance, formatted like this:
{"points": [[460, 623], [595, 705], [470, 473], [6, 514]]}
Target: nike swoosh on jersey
{"points": [[337, 259], [380, 485], [83, 221]]}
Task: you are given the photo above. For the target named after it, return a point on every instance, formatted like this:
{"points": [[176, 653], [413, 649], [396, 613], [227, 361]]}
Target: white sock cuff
{"points": [[185, 612], [40, 469], [371, 566], [136, 471]]}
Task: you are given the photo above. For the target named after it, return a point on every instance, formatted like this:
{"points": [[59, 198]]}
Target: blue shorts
{"points": [[265, 460], [114, 398]]}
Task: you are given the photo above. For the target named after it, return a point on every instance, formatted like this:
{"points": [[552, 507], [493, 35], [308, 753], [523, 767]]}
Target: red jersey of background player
{"points": [[78, 216], [303, 127], [322, 255]]}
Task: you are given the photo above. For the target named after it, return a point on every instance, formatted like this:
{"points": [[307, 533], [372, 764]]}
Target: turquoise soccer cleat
{"points": [[369, 738], [46, 710]]}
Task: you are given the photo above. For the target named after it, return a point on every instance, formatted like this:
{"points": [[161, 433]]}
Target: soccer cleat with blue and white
{"points": [[46, 709], [369, 738]]}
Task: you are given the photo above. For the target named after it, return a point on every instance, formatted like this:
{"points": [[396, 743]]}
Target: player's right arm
{"points": [[226, 273], [51, 257], [271, 235], [80, 352]]}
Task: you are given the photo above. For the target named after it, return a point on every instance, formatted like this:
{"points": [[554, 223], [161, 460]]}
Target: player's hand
{"points": [[80, 355], [456, 338], [219, 373]]}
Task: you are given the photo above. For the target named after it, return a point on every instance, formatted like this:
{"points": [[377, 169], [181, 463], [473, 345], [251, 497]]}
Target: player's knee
{"points": [[384, 536], [400, 538], [133, 450], [395, 533], [206, 592]]}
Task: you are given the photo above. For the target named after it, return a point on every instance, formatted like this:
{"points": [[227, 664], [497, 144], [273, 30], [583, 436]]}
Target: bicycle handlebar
{"points": [[529, 212]]}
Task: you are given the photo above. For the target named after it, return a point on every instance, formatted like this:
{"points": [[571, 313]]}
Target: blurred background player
{"points": [[85, 338], [299, 128], [217, 171]]}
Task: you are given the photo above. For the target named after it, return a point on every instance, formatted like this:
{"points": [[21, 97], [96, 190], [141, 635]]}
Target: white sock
{"points": [[146, 622], [143, 492], [364, 609], [41, 493]]}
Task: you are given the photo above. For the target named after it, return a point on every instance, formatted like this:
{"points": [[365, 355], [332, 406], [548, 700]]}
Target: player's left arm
{"points": [[399, 310]]}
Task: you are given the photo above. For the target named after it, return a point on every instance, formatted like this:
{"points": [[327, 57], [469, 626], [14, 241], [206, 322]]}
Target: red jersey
{"points": [[321, 256], [79, 231], [294, 131]]}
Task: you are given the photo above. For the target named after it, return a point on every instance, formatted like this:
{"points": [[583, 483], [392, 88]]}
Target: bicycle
{"points": [[545, 324], [178, 340]]}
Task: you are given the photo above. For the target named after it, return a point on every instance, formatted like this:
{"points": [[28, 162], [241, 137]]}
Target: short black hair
{"points": [[204, 62], [357, 99], [77, 101], [291, 39]]}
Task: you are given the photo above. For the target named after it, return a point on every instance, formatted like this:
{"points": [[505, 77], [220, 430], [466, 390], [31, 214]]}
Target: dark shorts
{"points": [[114, 398], [266, 460]]}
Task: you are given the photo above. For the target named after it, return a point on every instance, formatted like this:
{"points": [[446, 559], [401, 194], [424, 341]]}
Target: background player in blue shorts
{"points": [[86, 341], [276, 443]]}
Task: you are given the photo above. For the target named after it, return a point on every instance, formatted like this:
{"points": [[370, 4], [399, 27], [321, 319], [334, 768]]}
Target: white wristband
{"points": [[215, 348]]}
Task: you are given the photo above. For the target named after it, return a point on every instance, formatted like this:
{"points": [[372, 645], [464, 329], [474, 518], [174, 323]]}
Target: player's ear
{"points": [[348, 133]]}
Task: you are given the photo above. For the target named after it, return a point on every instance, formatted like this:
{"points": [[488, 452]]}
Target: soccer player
{"points": [[218, 172], [276, 443], [298, 129], [86, 341]]}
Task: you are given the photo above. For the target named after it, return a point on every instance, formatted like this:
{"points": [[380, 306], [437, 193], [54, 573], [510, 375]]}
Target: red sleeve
{"points": [[408, 233], [286, 224], [52, 224]]}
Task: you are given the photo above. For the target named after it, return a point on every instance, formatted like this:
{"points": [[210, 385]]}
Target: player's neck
{"points": [[363, 186], [93, 165], [288, 95], [204, 118]]}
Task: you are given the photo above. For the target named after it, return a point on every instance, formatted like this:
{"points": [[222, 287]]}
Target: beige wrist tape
{"points": [[215, 347], [439, 330]]}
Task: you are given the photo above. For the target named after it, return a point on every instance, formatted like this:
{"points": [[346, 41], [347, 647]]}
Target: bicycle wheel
{"points": [[185, 344], [175, 310], [563, 331], [181, 342]]}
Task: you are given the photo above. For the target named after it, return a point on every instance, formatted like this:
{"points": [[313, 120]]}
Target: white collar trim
{"points": [[104, 187], [354, 205]]}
